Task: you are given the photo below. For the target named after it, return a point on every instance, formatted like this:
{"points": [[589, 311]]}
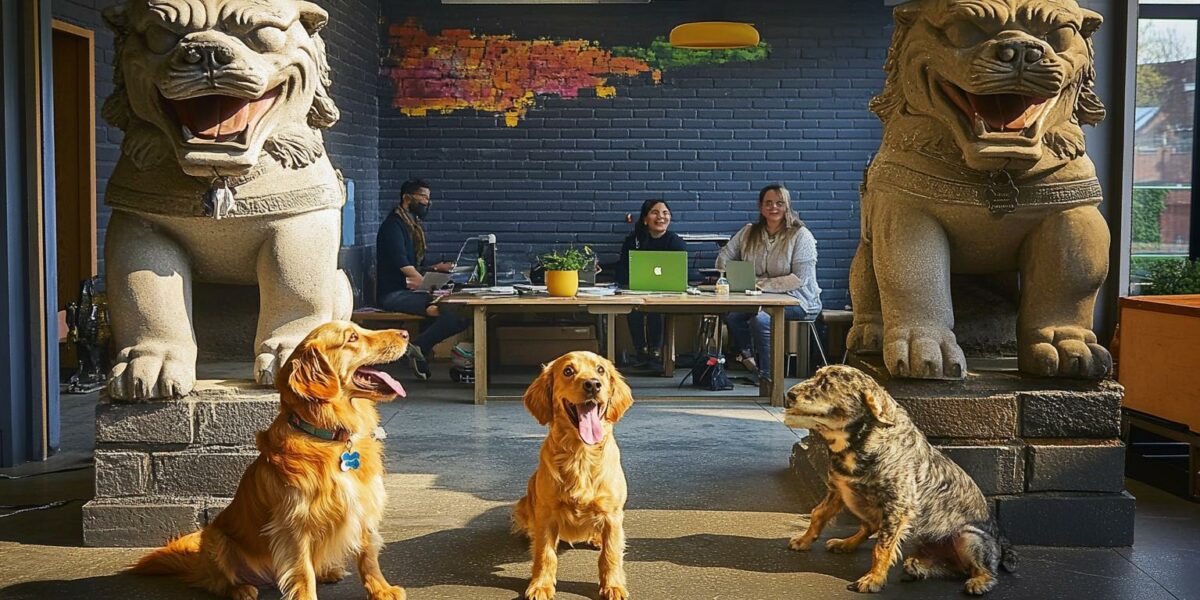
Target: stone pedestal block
{"points": [[1045, 450], [166, 467], [1067, 519]]}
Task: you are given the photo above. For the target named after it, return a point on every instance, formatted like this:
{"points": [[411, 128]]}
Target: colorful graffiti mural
{"points": [[458, 70]]}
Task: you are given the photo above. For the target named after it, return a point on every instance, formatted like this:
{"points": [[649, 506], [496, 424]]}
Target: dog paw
{"points": [[392, 592], [923, 353], [800, 543], [914, 569], [331, 575], [614, 592], [979, 585], [865, 338], [1063, 352], [244, 592], [151, 371], [840, 546], [270, 359], [867, 584], [539, 591]]}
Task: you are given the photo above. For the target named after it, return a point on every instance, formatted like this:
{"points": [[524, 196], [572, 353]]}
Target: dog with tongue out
{"points": [[577, 493]]}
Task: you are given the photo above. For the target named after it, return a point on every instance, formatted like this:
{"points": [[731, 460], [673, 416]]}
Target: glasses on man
{"points": [[424, 196]]}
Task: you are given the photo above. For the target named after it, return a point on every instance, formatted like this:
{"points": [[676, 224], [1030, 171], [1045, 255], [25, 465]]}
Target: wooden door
{"points": [[75, 157]]}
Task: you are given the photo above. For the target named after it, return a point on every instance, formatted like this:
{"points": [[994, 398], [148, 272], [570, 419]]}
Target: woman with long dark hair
{"points": [[784, 253], [649, 233]]}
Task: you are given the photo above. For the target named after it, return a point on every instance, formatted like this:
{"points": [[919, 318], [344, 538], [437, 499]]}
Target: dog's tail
{"points": [[181, 556], [1008, 556]]}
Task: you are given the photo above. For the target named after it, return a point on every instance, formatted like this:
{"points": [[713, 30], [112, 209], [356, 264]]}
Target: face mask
{"points": [[419, 210]]}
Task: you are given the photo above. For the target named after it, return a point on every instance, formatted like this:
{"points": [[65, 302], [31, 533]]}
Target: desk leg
{"points": [[481, 355], [610, 337], [668, 345], [777, 357]]}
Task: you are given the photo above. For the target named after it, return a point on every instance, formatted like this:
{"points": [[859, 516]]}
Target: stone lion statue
{"points": [[982, 170], [222, 178]]}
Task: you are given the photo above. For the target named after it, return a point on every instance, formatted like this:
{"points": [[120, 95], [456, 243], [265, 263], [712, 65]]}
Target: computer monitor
{"points": [[657, 271]]}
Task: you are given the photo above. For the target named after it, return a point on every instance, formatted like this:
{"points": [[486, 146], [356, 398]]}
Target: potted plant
{"points": [[562, 269]]}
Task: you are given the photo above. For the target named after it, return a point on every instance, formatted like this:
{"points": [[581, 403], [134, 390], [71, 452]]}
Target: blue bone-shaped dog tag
{"points": [[349, 461]]}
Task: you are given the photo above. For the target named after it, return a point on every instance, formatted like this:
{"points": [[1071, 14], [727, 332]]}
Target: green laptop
{"points": [[657, 271]]}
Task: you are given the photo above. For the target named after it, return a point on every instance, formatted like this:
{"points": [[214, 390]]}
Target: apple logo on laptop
{"points": [[658, 270]]}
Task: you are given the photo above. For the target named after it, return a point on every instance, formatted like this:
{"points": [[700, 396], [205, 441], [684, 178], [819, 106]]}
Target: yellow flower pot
{"points": [[562, 284]]}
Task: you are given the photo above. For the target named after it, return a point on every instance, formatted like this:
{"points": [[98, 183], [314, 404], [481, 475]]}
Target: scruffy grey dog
{"points": [[885, 472]]}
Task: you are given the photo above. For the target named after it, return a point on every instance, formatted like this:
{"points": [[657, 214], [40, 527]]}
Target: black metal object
{"points": [[88, 334], [1168, 457]]}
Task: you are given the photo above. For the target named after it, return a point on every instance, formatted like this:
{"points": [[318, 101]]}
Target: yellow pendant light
{"points": [[714, 35]]}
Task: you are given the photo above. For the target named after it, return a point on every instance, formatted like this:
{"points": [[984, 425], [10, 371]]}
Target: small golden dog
{"points": [[577, 493], [884, 470], [314, 496]]}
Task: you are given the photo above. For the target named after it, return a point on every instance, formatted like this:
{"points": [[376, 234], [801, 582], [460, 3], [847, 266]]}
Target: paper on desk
{"points": [[499, 290]]}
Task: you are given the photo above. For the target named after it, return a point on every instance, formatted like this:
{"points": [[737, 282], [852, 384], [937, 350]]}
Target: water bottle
{"points": [[722, 286]]}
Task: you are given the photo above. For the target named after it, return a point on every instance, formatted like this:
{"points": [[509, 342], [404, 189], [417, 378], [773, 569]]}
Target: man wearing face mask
{"points": [[400, 255]]}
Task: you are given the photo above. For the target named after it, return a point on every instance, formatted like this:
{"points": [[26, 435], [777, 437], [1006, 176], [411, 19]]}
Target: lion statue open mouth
{"points": [[223, 178], [983, 170]]}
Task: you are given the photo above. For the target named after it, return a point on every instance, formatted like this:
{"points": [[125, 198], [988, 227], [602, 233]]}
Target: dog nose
{"points": [[1019, 52], [592, 386], [403, 334]]}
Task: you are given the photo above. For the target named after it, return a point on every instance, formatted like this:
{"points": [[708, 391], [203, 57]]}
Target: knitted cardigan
{"points": [[790, 267]]}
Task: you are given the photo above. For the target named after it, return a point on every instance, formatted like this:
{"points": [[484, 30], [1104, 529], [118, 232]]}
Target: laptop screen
{"points": [[655, 271]]}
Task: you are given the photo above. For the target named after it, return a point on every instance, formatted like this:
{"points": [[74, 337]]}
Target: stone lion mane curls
{"points": [[1066, 142], [293, 145]]}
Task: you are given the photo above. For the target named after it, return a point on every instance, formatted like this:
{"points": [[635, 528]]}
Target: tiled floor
{"points": [[711, 507]]}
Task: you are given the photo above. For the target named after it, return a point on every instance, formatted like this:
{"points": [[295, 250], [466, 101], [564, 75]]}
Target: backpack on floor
{"points": [[709, 374]]}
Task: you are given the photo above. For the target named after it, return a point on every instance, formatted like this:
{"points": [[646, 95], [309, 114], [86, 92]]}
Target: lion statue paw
{"points": [[151, 371], [270, 358], [923, 352], [865, 337], [1063, 352]]}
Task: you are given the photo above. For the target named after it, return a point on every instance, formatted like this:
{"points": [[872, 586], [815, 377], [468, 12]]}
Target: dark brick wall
{"points": [[352, 42], [705, 140]]}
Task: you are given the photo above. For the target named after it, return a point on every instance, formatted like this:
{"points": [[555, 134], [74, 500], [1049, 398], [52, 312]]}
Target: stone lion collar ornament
{"points": [[982, 170], [222, 178]]}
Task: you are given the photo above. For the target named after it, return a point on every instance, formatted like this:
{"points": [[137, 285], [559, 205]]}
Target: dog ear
{"points": [[538, 396], [882, 407], [308, 375], [621, 397]]}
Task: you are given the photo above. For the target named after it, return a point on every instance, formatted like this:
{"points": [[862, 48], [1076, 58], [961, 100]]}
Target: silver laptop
{"points": [[433, 280], [740, 274]]}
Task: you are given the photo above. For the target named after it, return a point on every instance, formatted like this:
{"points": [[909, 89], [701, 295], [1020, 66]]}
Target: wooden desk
{"points": [[707, 303]]}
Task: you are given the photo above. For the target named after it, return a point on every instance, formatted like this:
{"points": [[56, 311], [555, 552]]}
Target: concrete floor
{"points": [[711, 507]]}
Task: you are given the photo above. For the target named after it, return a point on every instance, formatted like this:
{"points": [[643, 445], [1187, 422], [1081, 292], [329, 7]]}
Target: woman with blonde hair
{"points": [[784, 254]]}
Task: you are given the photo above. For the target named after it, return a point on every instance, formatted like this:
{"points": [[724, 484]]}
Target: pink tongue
{"points": [[590, 427], [387, 380]]}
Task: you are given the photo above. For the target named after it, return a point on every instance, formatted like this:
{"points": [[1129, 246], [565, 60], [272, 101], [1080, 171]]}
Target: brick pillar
{"points": [[167, 467]]}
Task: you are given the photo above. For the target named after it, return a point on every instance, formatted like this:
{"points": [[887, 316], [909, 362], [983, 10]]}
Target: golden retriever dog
{"points": [[577, 493], [884, 471], [314, 496]]}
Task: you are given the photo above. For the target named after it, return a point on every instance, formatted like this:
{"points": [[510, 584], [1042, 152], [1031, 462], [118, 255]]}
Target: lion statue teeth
{"points": [[982, 170], [222, 178]]}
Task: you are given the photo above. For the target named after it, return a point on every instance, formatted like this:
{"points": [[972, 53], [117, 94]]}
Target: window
{"points": [[1163, 219]]}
